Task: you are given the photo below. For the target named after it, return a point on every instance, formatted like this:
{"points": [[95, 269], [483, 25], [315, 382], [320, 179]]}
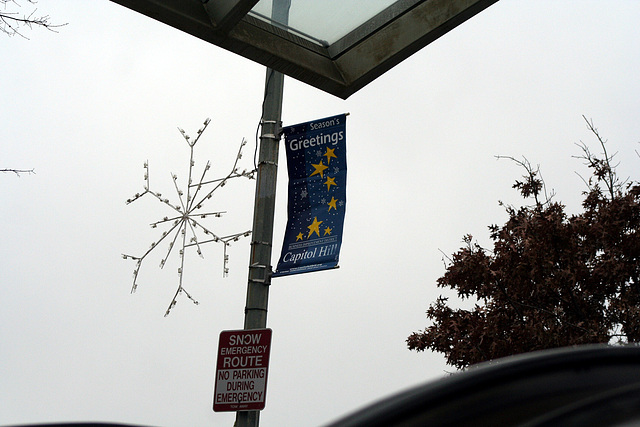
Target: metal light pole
{"points": [[255, 311]]}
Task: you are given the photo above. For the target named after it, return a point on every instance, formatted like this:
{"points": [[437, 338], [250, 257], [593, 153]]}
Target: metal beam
{"points": [[225, 14], [426, 22]]}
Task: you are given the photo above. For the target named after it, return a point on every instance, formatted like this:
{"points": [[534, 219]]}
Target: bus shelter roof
{"points": [[338, 46]]}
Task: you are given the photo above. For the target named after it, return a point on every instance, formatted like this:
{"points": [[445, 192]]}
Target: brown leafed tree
{"points": [[551, 279]]}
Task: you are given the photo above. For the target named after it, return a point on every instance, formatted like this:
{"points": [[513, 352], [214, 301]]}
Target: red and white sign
{"points": [[241, 370]]}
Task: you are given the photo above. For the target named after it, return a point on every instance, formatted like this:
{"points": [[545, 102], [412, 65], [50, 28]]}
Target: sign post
{"points": [[241, 370], [255, 311]]}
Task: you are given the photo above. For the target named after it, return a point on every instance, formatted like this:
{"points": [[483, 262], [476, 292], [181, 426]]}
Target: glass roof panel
{"points": [[325, 22]]}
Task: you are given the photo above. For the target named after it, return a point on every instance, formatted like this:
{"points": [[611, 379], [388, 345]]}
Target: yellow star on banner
{"points": [[320, 167], [332, 204], [330, 181], [299, 237], [329, 154], [327, 231], [314, 227]]}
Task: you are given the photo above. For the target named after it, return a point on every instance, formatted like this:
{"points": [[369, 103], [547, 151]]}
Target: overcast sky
{"points": [[87, 106]]}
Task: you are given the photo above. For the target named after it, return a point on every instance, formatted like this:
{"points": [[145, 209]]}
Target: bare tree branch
{"points": [[603, 168], [533, 184], [11, 22], [19, 171]]}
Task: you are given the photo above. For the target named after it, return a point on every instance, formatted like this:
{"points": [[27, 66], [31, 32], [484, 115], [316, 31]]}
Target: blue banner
{"points": [[317, 164]]}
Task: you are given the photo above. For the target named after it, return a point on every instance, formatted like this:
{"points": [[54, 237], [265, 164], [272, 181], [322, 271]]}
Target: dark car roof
{"points": [[589, 385]]}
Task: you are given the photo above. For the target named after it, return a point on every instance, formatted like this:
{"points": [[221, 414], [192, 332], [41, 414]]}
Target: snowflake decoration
{"points": [[184, 226]]}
